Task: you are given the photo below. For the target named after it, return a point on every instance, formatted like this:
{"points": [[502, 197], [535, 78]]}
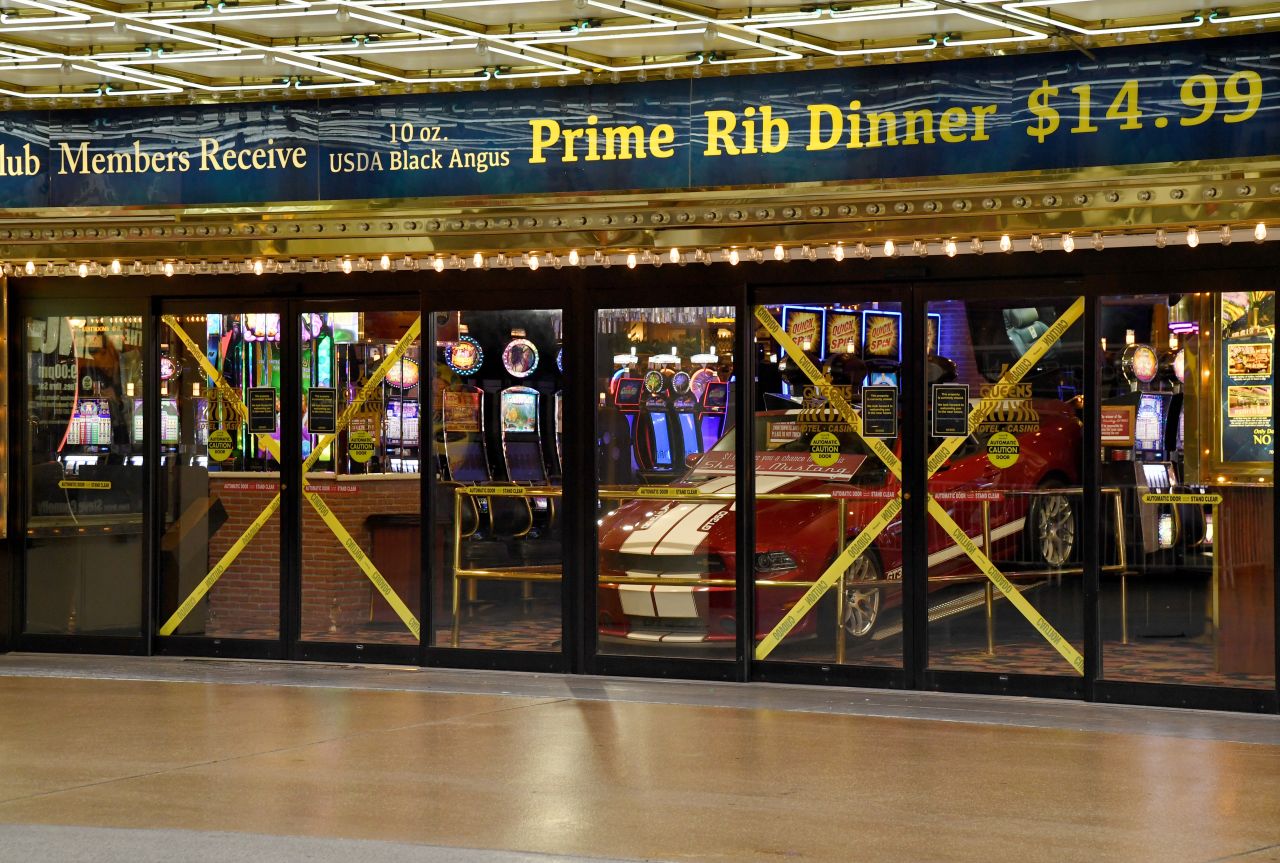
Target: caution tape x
{"points": [[890, 510], [268, 443]]}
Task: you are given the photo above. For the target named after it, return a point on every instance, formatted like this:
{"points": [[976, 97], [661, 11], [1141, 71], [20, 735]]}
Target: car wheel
{"points": [[861, 601], [1052, 522]]}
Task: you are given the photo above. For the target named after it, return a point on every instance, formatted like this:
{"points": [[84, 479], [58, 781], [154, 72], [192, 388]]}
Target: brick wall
{"points": [[336, 594]]}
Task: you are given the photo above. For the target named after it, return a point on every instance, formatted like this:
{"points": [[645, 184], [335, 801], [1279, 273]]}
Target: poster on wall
{"points": [[805, 328], [1247, 383]]}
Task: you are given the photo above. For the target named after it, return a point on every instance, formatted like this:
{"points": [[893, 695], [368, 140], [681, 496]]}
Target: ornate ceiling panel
{"points": [[68, 52]]}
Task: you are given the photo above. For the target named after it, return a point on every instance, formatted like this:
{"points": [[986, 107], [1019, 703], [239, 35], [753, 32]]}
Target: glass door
{"points": [[1003, 406], [360, 373], [216, 391], [828, 565]]}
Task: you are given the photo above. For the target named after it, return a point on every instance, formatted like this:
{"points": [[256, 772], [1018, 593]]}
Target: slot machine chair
{"points": [[465, 462], [523, 461], [1024, 327]]}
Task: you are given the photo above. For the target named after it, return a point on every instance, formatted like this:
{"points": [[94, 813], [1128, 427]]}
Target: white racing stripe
{"points": [[686, 535], [644, 541]]}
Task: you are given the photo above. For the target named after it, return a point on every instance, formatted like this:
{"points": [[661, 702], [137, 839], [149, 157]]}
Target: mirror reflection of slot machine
{"points": [[684, 407], [655, 455], [88, 434], [715, 409]]}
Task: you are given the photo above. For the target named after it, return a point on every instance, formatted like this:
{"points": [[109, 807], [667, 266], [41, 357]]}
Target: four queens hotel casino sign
{"points": [[1169, 102]]}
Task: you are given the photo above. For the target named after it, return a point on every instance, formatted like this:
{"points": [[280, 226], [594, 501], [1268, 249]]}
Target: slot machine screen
{"points": [[519, 412], [661, 440], [1149, 433], [629, 390], [402, 422], [717, 396], [169, 432], [467, 463], [91, 425], [881, 335], [524, 461], [881, 379]]}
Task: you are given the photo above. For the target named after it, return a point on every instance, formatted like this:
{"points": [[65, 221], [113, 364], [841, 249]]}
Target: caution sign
{"points": [[360, 446], [824, 449], [262, 410], [1003, 450], [1207, 499], [880, 412], [221, 446], [96, 484], [322, 410]]}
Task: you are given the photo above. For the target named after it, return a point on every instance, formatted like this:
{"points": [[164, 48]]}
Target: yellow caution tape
{"points": [[366, 565], [206, 584], [494, 490], [940, 456], [1153, 497], [370, 386], [84, 483], [828, 578], [647, 491], [834, 398], [1011, 593]]}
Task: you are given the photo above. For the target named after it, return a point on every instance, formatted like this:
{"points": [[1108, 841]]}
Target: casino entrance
{"points": [[288, 464]]}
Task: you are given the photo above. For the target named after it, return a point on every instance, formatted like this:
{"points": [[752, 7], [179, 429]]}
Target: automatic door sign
{"points": [[880, 412], [360, 446], [1003, 450], [262, 410], [824, 449], [220, 445], [1156, 497], [950, 410], [322, 410]]}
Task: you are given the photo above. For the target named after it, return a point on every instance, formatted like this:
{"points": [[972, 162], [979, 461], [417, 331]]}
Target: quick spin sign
{"points": [[1169, 102]]}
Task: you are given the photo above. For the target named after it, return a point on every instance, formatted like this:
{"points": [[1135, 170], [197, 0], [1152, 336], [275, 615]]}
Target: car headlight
{"points": [[774, 561]]}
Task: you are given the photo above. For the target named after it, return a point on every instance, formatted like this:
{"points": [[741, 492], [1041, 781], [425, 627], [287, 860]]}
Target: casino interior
{"points": [[1002, 426]]}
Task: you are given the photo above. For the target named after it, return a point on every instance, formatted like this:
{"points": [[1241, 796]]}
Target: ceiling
{"points": [[63, 53]]}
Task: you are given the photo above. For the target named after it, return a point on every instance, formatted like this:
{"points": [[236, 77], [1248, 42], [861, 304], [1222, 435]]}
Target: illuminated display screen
{"points": [[520, 358], [403, 375], [464, 356], [717, 395], [661, 440], [881, 335], [628, 392], [1149, 434], [519, 412]]}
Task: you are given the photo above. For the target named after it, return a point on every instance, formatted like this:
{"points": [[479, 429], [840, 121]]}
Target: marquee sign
{"points": [[1168, 102]]}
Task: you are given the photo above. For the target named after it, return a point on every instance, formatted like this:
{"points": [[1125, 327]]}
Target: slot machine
{"points": [[89, 435], [655, 453], [401, 426], [684, 408], [557, 415], [1153, 471], [714, 413], [521, 435]]}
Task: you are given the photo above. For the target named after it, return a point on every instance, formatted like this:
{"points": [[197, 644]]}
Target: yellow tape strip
{"points": [[1011, 593], [837, 401], [375, 379], [206, 584], [237, 404], [366, 565], [828, 578], [940, 456]]}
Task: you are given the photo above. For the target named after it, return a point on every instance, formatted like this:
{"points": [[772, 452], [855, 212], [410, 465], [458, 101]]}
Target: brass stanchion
{"points": [[841, 598], [989, 599], [457, 565]]}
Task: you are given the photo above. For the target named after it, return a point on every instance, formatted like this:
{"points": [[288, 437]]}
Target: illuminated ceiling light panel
{"points": [[62, 51]]}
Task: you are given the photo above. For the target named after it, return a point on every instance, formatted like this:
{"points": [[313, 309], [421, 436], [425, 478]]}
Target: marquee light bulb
{"points": [[1068, 243], [573, 257], [83, 270], [1006, 244], [477, 260], [890, 249], [779, 253], [1193, 237], [259, 267], [534, 262], [115, 268], [1260, 232], [733, 257], [30, 268], [950, 248], [438, 264], [674, 255], [346, 265], [168, 268], [631, 260], [837, 251], [385, 262]]}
